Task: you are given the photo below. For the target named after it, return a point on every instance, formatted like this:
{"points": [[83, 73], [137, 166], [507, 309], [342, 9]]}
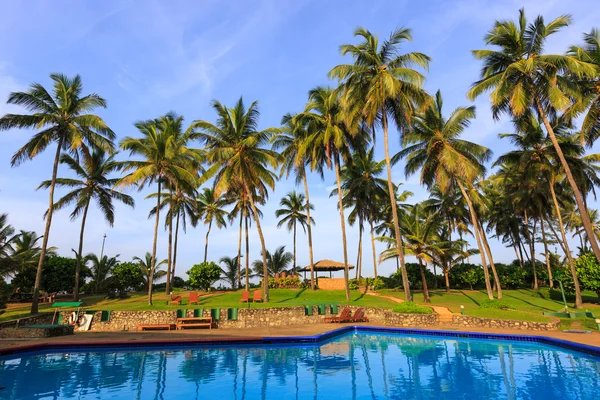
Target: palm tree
{"points": [[589, 53], [277, 262], [100, 268], [379, 86], [165, 160], [523, 79], [291, 214], [292, 137], [185, 208], [150, 273], [445, 160], [230, 271], [6, 237], [240, 162], [363, 191], [329, 140], [210, 209], [26, 250], [92, 170], [64, 118]]}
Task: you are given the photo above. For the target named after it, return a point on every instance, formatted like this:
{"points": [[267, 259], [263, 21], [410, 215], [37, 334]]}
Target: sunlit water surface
{"points": [[359, 365]]}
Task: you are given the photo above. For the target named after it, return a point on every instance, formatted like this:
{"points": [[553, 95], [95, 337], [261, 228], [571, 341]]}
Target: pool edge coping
{"points": [[273, 340]]}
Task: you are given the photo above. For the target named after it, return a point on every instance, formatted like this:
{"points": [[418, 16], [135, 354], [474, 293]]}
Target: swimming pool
{"points": [[357, 364]]}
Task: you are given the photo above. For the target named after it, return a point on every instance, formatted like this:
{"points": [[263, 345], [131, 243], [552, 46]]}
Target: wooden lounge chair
{"points": [[359, 316], [193, 298], [257, 296], [343, 317], [175, 300], [245, 296]]}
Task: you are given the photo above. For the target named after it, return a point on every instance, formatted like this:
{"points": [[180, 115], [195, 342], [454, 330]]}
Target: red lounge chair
{"points": [[245, 296], [359, 316], [344, 316], [175, 300], [193, 298], [257, 296]]}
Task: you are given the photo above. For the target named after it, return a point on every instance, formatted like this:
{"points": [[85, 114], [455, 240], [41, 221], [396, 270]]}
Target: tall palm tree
{"points": [[589, 53], [292, 213], [277, 262], [290, 140], [63, 117], [165, 159], [434, 147], [185, 209], [150, 273], [381, 86], [364, 189], [521, 79], [101, 268], [210, 209], [93, 170], [240, 161], [330, 139]]}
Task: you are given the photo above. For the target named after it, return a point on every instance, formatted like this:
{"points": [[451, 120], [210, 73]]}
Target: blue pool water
{"points": [[356, 365]]}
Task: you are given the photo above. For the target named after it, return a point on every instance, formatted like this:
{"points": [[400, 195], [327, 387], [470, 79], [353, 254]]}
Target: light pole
{"points": [[102, 251]]}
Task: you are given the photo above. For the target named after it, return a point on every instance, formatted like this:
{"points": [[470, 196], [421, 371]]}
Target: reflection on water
{"points": [[356, 366]]}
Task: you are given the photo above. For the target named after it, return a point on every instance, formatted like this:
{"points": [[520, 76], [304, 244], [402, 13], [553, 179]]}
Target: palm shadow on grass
{"points": [[298, 293], [470, 298], [527, 302]]}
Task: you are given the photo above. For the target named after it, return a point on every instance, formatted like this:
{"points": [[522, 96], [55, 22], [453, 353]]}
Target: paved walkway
{"points": [[124, 338]]}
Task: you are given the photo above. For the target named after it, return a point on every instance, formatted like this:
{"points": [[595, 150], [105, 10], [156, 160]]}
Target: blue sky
{"points": [[148, 58]]}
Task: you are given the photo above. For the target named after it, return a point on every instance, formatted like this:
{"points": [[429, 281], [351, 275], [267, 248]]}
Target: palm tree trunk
{"points": [[153, 265], [79, 254], [170, 245], [392, 192], [175, 250], [359, 252], [446, 277], [476, 232], [343, 222], [247, 252], [585, 218], [294, 267], [517, 255], [206, 245], [488, 252], [435, 281], [550, 280], [38, 274], [424, 279], [239, 257], [373, 245], [531, 239], [262, 244], [578, 299], [310, 249]]}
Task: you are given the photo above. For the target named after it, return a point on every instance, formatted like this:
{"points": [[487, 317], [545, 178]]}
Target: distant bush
{"points": [[290, 282], [378, 284], [408, 307], [3, 293], [495, 304], [203, 275], [353, 284]]}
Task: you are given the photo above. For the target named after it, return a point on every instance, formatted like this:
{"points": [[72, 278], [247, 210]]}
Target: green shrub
{"points": [[3, 293], [408, 307], [353, 284], [203, 275], [495, 304], [290, 282], [378, 284]]}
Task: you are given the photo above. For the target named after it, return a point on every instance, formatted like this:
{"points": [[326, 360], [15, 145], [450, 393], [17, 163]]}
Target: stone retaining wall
{"points": [[468, 322], [41, 332], [45, 318]]}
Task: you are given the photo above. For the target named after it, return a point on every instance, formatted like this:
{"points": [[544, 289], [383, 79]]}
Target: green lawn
{"points": [[528, 305], [279, 298]]}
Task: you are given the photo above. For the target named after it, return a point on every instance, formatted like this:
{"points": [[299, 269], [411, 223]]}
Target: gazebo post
{"points": [[330, 274]]}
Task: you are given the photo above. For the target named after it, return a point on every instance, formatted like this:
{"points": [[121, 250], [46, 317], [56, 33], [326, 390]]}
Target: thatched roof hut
{"points": [[327, 266]]}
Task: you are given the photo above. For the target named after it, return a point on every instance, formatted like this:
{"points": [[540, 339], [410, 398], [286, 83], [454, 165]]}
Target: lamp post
{"points": [[102, 251]]}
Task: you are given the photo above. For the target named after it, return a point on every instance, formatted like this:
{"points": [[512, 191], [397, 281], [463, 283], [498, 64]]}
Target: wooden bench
{"points": [[194, 322], [154, 327]]}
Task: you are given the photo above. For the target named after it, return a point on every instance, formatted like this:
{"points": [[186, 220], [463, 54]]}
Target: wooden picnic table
{"points": [[154, 327], [194, 322]]}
